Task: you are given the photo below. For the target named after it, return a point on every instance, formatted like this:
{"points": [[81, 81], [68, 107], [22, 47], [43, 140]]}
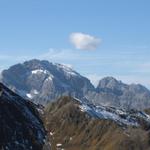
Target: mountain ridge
{"points": [[71, 128], [42, 81], [20, 125]]}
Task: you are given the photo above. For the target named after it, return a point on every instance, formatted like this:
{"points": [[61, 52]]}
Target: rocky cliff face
{"points": [[42, 81], [112, 92], [20, 125]]}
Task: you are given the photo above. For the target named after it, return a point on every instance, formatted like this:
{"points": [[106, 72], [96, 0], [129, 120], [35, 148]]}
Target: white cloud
{"points": [[84, 41]]}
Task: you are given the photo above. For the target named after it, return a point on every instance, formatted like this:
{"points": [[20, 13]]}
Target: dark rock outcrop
{"points": [[20, 125]]}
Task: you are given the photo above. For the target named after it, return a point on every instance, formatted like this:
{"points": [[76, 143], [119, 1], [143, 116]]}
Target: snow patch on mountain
{"points": [[39, 71], [50, 78], [35, 92], [119, 116], [67, 69], [29, 95]]}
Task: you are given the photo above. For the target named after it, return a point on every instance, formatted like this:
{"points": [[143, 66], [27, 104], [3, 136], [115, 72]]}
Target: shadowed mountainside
{"points": [[20, 125]]}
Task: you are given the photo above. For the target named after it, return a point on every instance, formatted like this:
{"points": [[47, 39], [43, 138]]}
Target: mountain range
{"points": [[111, 92], [42, 81], [69, 124]]}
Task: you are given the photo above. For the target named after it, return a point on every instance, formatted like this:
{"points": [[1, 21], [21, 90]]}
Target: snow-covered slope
{"points": [[74, 125], [20, 125], [120, 116]]}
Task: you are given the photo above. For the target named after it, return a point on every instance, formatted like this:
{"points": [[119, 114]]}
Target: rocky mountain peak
{"points": [[37, 64], [110, 84], [43, 81]]}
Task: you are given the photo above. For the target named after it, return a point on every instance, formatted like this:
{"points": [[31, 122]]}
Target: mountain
{"points": [[112, 92], [20, 125], [70, 124], [42, 81], [73, 124]]}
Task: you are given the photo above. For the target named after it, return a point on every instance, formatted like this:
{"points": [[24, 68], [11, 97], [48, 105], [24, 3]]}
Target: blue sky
{"points": [[42, 29]]}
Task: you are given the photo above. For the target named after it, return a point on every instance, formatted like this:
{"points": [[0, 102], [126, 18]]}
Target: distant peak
{"points": [[109, 78], [138, 87], [37, 61], [108, 82], [33, 61]]}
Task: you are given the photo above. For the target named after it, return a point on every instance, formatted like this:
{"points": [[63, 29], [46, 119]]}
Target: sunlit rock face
{"points": [[42, 81]]}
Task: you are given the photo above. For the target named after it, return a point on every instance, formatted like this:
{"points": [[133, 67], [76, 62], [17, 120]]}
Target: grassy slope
{"points": [[75, 130]]}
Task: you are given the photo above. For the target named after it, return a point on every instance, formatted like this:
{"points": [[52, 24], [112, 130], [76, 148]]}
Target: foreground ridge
{"points": [[120, 116], [20, 125], [73, 124]]}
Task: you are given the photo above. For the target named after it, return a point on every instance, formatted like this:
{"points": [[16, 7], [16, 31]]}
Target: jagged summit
{"points": [[112, 92], [46, 65], [43, 81], [108, 82], [111, 84]]}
